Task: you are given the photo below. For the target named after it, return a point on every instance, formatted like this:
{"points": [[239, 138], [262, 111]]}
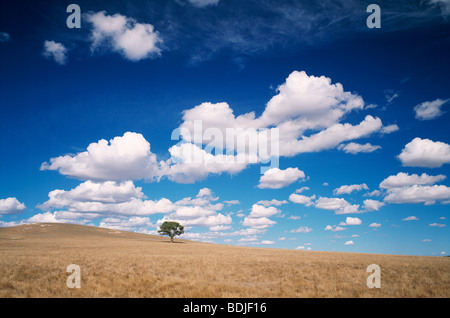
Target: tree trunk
{"points": [[171, 239]]}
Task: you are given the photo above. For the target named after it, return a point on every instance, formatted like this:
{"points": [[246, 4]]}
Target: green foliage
{"points": [[171, 229]]}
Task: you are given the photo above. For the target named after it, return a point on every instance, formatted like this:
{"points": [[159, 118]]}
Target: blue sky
{"points": [[86, 118]]}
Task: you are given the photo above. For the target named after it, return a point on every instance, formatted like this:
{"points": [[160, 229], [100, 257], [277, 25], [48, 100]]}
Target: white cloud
{"points": [[372, 205], [276, 178], [11, 206], [203, 3], [418, 194], [426, 240], [55, 51], [189, 163], [348, 189], [303, 104], [133, 224], [437, 225], [258, 223], [122, 158], [267, 242], [301, 189], [302, 199], [302, 229], [374, 193], [349, 243], [259, 211], [106, 198], [352, 221], [334, 228], [375, 225], [389, 129], [333, 136], [403, 179], [354, 148], [339, 205], [135, 41], [425, 153], [231, 202], [273, 202], [430, 110], [410, 218]]}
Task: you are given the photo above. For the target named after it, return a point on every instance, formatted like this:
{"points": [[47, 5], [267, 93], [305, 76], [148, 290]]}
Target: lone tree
{"points": [[171, 229]]}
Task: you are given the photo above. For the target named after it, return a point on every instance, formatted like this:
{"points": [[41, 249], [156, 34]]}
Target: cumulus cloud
{"points": [[106, 198], [190, 163], [134, 41], [306, 112], [273, 202], [261, 211], [302, 199], [55, 51], [349, 243], [425, 153], [200, 211], [276, 178], [302, 104], [258, 223], [375, 225], [339, 205], [122, 158], [430, 110], [348, 189], [302, 229], [403, 179], [351, 221], [11, 206], [334, 228], [354, 148], [133, 224], [372, 205], [418, 194]]}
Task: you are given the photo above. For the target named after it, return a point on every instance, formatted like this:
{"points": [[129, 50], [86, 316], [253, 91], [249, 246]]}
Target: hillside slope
{"points": [[34, 259]]}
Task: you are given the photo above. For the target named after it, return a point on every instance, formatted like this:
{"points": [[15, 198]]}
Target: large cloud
{"points": [[430, 110], [307, 112], [403, 179], [303, 117], [339, 205], [11, 206], [406, 188], [276, 178], [135, 41], [418, 194], [425, 153], [350, 188], [106, 198], [122, 158]]}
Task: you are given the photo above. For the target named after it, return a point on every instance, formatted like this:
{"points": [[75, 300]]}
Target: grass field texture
{"points": [[34, 259]]}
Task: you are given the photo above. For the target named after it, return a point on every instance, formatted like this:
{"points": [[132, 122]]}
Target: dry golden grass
{"points": [[34, 258]]}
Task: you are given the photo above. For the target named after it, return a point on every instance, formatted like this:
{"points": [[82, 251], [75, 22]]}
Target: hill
{"points": [[34, 259]]}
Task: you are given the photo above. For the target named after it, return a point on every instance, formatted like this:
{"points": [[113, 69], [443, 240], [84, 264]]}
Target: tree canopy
{"points": [[171, 229]]}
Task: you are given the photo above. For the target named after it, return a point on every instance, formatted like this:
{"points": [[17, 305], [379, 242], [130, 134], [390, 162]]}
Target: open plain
{"points": [[34, 259]]}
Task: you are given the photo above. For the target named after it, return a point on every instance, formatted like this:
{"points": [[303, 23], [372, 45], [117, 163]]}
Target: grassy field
{"points": [[34, 258]]}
